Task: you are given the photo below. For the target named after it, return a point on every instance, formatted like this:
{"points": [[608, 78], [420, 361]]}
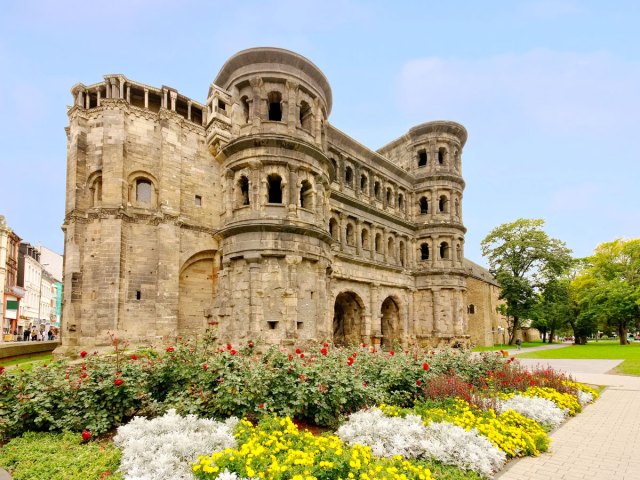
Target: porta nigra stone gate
{"points": [[251, 210]]}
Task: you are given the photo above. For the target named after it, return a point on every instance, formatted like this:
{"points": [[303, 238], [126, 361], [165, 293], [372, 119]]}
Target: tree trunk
{"points": [[514, 328], [622, 332], [551, 334]]}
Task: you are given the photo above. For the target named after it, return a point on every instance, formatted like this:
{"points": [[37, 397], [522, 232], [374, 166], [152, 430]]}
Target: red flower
{"points": [[84, 375], [66, 375], [325, 344], [290, 357], [302, 355], [204, 366], [392, 353], [418, 382], [134, 357], [364, 345], [1, 370], [425, 366], [229, 347], [232, 352], [83, 354], [364, 384], [323, 351], [118, 381], [213, 323], [350, 361], [84, 367], [298, 351], [170, 349], [86, 435], [250, 344], [261, 405], [354, 355]]}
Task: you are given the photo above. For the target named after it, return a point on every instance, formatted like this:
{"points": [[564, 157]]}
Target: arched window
{"points": [[442, 155], [402, 253], [243, 191], [333, 228], [364, 238], [350, 236], [244, 102], [306, 194], [275, 106], [444, 250], [364, 182], [389, 197], [457, 207], [376, 190], [424, 206], [400, 201], [422, 158], [471, 309], [96, 191], [378, 243], [424, 251], [143, 190], [443, 204], [391, 248], [348, 176], [305, 116], [274, 186]]}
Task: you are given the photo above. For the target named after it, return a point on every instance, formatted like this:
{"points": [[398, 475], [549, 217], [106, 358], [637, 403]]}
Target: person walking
{"points": [[25, 335], [518, 343]]}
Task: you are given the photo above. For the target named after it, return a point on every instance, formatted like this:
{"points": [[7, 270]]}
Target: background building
{"points": [[12, 293], [253, 212]]}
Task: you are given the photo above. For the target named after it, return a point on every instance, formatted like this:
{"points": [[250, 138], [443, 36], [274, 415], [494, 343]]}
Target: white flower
{"points": [[541, 410], [166, 446], [410, 438], [584, 397]]}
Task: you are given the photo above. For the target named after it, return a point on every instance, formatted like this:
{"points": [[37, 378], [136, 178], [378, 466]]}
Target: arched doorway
{"points": [[390, 323], [198, 285], [347, 319]]}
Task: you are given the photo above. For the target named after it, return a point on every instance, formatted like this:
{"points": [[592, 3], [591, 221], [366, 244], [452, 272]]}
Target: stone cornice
{"points": [[271, 226]]}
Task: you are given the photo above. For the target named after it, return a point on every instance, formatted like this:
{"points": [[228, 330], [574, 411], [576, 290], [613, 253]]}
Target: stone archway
{"points": [[347, 319], [390, 322], [197, 287]]}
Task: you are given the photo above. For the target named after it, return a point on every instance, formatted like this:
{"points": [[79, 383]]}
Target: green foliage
{"points": [[61, 456], [608, 288], [522, 257]]}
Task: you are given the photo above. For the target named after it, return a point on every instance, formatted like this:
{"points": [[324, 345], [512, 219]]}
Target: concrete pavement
{"points": [[602, 442]]}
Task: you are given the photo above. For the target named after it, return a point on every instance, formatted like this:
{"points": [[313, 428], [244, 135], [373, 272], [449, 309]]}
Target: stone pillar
{"points": [[375, 329], [164, 99], [294, 197], [228, 195], [359, 237], [174, 97], [435, 326], [255, 310], [384, 245], [146, 98], [87, 99], [98, 97], [343, 230], [128, 94], [189, 110]]}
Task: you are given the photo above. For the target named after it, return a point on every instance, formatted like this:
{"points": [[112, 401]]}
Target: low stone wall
{"points": [[19, 349]]}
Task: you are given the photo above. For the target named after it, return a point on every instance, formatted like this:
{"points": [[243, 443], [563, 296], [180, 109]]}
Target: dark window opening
{"points": [[441, 154], [243, 185], [376, 190], [333, 228], [143, 190], [138, 294], [422, 158], [400, 201], [424, 252], [424, 206], [348, 176], [378, 243], [305, 194], [275, 106], [299, 325], [402, 253], [391, 248], [222, 105], [350, 234], [272, 325], [275, 188], [444, 250], [364, 239], [245, 108], [443, 204], [471, 309], [363, 183], [198, 201], [389, 196]]}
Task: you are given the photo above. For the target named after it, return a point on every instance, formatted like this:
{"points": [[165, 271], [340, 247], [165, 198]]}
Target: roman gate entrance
{"points": [[348, 315]]}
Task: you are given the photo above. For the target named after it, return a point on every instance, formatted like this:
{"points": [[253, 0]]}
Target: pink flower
{"points": [[118, 381], [170, 349], [83, 354]]}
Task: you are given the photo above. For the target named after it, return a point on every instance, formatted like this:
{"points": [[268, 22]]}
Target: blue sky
{"points": [[549, 92]]}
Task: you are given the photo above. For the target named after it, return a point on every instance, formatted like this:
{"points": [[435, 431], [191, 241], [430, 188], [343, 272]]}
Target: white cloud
{"points": [[563, 91]]}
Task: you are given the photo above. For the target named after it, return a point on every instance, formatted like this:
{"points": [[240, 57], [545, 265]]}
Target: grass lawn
{"points": [[502, 346], [27, 363], [602, 350]]}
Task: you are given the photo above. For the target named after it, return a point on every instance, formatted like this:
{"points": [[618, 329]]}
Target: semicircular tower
{"points": [[267, 123]]}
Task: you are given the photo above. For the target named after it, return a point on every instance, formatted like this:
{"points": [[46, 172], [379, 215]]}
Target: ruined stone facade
{"points": [[251, 210]]}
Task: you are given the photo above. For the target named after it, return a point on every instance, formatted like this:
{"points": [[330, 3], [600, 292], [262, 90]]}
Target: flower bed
{"points": [[469, 411]]}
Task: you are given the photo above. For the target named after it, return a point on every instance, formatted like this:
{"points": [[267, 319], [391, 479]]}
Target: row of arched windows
{"points": [[442, 157], [443, 205], [142, 190], [275, 111], [274, 185]]}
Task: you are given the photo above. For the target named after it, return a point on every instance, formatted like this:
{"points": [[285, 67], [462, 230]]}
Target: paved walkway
{"points": [[602, 442]]}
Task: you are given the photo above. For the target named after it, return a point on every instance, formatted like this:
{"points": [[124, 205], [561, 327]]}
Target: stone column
{"points": [[98, 96], [87, 99], [146, 98], [165, 103], [294, 196], [255, 311], [128, 94], [189, 110], [435, 325], [359, 245], [174, 97], [343, 230], [375, 327], [228, 195], [121, 93], [384, 245]]}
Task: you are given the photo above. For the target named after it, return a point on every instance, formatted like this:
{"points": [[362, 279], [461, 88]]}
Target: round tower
{"points": [[268, 110]]}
